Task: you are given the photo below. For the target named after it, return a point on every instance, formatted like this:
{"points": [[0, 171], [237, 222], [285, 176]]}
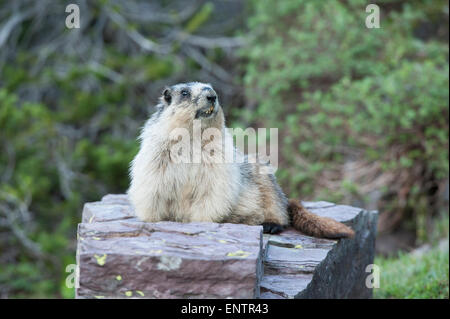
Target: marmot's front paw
{"points": [[272, 228]]}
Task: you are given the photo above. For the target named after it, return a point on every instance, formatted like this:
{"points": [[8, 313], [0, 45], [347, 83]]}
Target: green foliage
{"points": [[28, 138], [414, 276], [399, 109], [313, 41], [27, 128], [360, 110], [420, 275]]}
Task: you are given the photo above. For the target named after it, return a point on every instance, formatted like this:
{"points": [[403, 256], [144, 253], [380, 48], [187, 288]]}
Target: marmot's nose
{"points": [[211, 98]]}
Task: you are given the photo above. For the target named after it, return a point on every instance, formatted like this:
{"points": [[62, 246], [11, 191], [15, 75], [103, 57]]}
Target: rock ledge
{"points": [[121, 257]]}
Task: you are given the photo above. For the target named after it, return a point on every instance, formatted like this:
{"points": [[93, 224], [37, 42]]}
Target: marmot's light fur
{"points": [[209, 191]]}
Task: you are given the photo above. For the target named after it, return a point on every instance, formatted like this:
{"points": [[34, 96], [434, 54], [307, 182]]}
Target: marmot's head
{"points": [[190, 101]]}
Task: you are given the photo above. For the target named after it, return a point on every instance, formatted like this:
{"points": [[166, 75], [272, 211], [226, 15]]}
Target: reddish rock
{"points": [[121, 257]]}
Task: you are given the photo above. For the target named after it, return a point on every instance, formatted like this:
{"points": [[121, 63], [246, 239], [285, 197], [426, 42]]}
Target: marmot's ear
{"points": [[167, 95]]}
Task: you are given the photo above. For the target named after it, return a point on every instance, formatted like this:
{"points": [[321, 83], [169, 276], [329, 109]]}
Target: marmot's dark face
{"points": [[199, 100]]}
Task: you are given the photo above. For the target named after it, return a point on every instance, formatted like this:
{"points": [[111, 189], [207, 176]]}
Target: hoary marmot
{"points": [[165, 188]]}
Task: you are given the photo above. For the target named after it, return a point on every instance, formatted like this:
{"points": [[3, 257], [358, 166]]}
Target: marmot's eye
{"points": [[184, 93]]}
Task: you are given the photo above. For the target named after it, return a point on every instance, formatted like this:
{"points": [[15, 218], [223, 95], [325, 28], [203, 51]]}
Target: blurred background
{"points": [[363, 116]]}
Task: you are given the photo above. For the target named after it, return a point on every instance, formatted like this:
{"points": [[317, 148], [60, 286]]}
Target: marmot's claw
{"points": [[272, 228]]}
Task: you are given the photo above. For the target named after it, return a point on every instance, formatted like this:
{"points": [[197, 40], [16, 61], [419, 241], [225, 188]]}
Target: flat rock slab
{"points": [[299, 266], [121, 257]]}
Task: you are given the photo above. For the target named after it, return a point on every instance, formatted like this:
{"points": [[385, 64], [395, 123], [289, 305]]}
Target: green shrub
{"points": [[414, 276], [363, 113]]}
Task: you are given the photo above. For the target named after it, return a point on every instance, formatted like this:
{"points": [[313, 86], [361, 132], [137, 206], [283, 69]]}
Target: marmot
{"points": [[210, 190]]}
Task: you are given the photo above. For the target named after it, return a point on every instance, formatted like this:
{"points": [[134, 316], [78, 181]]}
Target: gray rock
{"points": [[298, 266], [121, 257]]}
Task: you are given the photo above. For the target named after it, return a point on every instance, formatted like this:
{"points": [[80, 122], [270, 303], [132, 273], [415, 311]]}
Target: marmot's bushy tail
{"points": [[314, 225]]}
